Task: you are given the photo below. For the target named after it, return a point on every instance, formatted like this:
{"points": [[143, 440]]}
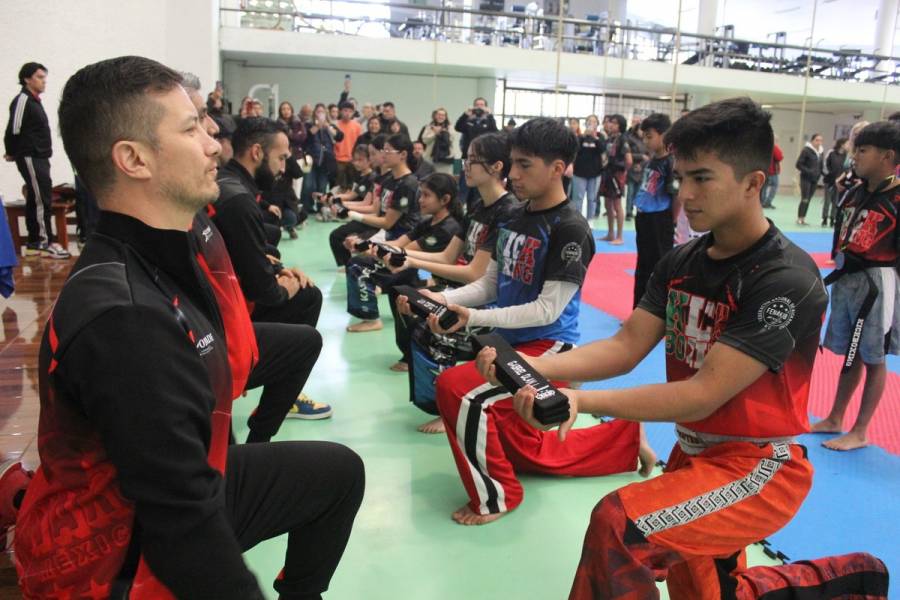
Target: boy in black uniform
{"points": [[866, 285], [137, 477], [655, 202], [27, 142]]}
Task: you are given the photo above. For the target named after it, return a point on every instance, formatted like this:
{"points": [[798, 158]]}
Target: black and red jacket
{"points": [[136, 386]]}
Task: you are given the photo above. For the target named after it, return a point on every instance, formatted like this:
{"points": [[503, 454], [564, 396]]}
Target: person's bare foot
{"points": [[372, 325], [400, 367], [466, 516], [848, 441], [646, 456], [616, 242], [607, 238], [432, 426], [826, 426]]}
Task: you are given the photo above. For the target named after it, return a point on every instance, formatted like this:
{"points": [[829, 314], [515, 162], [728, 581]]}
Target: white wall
{"points": [[415, 95], [66, 36]]}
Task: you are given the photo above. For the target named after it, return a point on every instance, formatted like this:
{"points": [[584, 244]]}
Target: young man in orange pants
{"points": [[740, 310]]}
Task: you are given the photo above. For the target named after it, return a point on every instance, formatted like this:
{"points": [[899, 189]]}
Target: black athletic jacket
{"points": [[28, 130], [136, 391], [237, 215]]}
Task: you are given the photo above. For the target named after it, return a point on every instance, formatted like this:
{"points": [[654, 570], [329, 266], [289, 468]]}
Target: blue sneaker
{"points": [[305, 408]]}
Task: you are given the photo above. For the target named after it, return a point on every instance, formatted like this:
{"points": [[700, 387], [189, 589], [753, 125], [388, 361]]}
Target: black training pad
{"points": [[550, 405], [423, 306]]}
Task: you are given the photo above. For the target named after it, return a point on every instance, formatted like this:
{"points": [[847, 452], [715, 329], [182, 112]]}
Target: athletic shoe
{"points": [[292, 233], [305, 408], [32, 249], [14, 481], [55, 251]]}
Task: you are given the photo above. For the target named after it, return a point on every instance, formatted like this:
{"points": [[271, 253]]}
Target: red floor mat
{"points": [[609, 287]]}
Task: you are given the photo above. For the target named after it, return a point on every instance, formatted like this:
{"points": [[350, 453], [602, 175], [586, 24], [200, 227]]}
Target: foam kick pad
{"points": [[551, 406], [423, 306]]}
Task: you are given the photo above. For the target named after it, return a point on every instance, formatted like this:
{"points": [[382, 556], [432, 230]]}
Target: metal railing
{"points": [[536, 31]]}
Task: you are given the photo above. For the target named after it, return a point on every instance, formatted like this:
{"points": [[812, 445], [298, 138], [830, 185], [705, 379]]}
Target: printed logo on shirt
{"points": [[431, 241], [207, 234], [865, 229], [693, 324], [776, 313], [403, 202], [205, 344], [475, 237], [571, 252], [517, 255]]}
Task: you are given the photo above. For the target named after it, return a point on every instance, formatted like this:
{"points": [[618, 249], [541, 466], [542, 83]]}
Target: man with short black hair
{"points": [[27, 143], [343, 149], [276, 294], [424, 167], [388, 117], [148, 343], [475, 121], [740, 311]]}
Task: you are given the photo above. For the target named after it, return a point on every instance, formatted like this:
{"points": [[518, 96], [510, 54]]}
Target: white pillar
{"points": [[884, 28], [706, 17]]}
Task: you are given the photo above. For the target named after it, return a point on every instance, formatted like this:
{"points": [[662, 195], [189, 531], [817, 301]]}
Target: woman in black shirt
{"points": [[587, 166]]}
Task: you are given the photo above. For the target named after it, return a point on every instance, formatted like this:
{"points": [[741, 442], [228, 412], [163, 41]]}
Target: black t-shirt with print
{"points": [[555, 244], [434, 237], [401, 195], [364, 184], [767, 302], [589, 160], [481, 225]]}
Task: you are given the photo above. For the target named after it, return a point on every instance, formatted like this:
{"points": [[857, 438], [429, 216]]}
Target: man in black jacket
{"points": [[138, 367], [277, 294], [27, 142], [472, 123]]}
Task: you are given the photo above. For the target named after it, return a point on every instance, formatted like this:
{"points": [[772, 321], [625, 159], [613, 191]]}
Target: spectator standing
{"points": [[809, 163], [772, 176], [440, 141], [27, 143]]}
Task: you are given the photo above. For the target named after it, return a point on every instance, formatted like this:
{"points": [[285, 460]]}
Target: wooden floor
{"points": [[38, 281]]}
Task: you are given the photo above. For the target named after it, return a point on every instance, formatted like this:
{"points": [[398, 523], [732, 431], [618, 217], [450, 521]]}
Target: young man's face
{"points": [[346, 114], [710, 194], [653, 140], [37, 83], [392, 156], [531, 176], [184, 164], [870, 161], [388, 113]]}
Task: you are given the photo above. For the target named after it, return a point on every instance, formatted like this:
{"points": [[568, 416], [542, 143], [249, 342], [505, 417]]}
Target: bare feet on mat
{"points": [[400, 367], [466, 516], [362, 326], [849, 441], [432, 426], [607, 238], [616, 242], [646, 456], [826, 426]]}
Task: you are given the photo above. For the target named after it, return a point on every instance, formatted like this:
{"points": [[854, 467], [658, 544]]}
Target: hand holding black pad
{"points": [[423, 306], [551, 406]]}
